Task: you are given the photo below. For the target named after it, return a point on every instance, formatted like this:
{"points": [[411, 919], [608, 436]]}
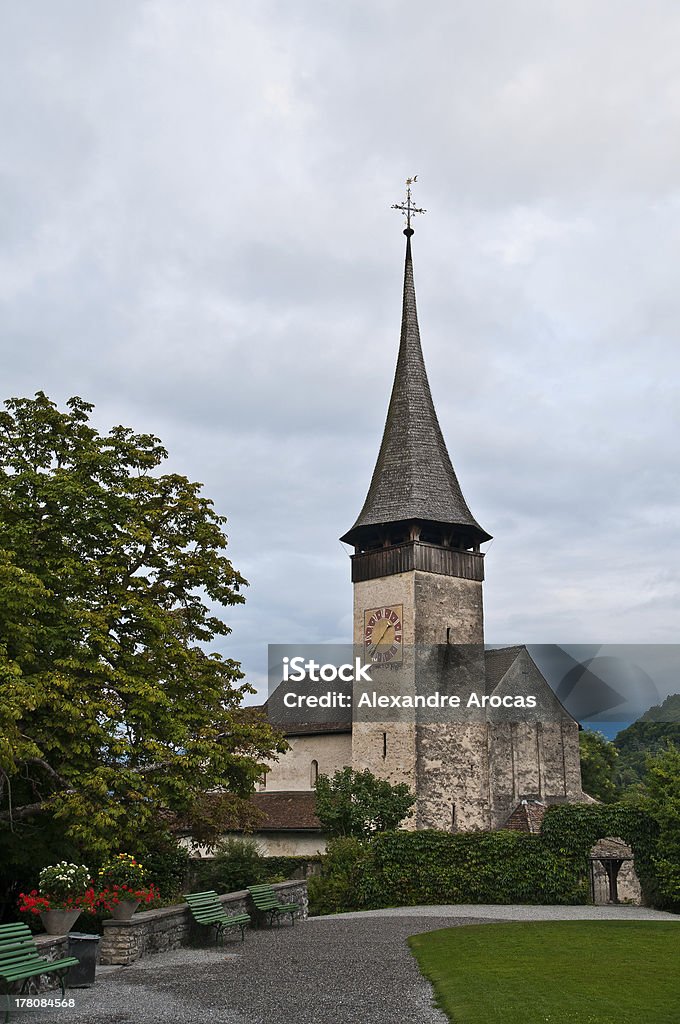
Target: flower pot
{"points": [[59, 922], [124, 910]]}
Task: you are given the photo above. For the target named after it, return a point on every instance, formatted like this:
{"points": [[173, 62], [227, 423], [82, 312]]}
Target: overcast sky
{"points": [[196, 236]]}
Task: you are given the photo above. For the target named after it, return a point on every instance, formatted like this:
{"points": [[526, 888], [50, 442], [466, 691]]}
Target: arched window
{"points": [[314, 773]]}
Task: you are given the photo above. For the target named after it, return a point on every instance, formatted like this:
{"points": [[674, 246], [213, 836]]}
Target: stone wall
{"points": [[51, 947], [291, 843], [154, 931], [448, 610], [272, 843], [627, 884], [615, 853], [293, 770]]}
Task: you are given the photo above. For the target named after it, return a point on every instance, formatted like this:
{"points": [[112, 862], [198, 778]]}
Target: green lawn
{"points": [[570, 972]]}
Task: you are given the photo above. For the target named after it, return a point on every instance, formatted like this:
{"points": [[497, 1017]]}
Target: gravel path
{"points": [[515, 912], [346, 969], [338, 972]]}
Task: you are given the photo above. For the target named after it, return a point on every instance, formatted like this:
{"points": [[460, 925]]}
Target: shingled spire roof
{"points": [[413, 478]]}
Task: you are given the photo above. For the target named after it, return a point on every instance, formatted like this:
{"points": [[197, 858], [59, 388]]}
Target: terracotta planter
{"points": [[59, 922], [124, 910]]}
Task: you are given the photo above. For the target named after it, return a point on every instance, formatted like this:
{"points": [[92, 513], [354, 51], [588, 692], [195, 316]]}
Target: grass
{"points": [[569, 972]]}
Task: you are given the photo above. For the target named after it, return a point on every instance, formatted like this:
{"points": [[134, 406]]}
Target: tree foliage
{"points": [[650, 734], [238, 862], [598, 765], [358, 804], [113, 716], [662, 801]]}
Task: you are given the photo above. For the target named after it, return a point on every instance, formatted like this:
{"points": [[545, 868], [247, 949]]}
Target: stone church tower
{"points": [[418, 572]]}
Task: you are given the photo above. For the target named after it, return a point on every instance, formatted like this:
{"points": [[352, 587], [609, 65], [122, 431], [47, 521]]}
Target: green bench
{"points": [[21, 961], [207, 909], [267, 903]]}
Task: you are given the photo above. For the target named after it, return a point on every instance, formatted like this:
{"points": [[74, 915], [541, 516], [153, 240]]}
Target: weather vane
{"points": [[408, 208]]}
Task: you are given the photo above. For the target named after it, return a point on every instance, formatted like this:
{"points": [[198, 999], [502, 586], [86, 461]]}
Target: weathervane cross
{"points": [[408, 208]]}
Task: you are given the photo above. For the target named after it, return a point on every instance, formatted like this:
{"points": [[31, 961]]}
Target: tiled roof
{"points": [[611, 848], [291, 810], [497, 662], [526, 817], [413, 477], [316, 720], [308, 721]]}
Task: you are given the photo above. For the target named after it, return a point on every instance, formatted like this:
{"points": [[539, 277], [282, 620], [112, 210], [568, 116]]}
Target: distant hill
{"points": [[646, 736]]}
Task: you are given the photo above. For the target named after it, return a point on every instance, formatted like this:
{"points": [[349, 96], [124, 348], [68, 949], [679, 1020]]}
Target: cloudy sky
{"points": [[196, 236]]}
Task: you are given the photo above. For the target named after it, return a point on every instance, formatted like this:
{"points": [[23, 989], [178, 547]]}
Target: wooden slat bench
{"points": [[207, 909], [267, 903], [21, 961]]}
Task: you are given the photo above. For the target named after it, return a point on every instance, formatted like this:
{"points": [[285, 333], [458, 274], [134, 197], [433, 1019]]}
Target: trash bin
{"points": [[86, 949]]}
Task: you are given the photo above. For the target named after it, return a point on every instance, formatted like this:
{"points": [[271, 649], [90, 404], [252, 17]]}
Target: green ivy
{"points": [[410, 868], [571, 830]]}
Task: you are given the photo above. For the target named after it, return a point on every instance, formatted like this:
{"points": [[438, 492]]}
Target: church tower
{"points": [[417, 571]]}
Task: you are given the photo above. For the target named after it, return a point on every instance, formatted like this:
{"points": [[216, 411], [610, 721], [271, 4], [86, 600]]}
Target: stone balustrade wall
{"points": [[154, 931], [51, 947]]}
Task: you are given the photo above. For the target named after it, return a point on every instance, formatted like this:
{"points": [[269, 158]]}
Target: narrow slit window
{"points": [[384, 751], [314, 773]]}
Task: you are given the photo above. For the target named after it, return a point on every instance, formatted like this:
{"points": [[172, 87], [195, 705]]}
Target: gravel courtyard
{"points": [[347, 969]]}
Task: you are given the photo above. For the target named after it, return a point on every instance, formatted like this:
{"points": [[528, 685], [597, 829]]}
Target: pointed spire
{"points": [[413, 480]]}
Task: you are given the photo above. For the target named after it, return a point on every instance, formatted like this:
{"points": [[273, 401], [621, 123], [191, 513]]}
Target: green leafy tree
{"points": [[662, 801], [238, 862], [342, 868], [358, 804], [598, 765], [647, 736], [113, 715]]}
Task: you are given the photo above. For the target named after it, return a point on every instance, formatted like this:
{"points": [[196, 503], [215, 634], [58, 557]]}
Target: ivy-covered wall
{"points": [[571, 830], [406, 868], [429, 867]]}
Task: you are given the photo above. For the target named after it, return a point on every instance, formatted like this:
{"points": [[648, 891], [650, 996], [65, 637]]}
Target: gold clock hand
{"points": [[384, 632]]}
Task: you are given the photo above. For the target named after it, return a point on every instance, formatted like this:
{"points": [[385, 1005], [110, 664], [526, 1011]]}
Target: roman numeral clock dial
{"points": [[383, 634]]}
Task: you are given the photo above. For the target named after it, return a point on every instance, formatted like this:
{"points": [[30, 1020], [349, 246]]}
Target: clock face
{"points": [[383, 633]]}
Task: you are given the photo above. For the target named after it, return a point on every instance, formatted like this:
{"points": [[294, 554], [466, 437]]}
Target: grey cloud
{"points": [[196, 236]]}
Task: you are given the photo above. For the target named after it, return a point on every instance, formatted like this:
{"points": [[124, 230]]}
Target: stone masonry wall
{"points": [[293, 771], [51, 947], [154, 931]]}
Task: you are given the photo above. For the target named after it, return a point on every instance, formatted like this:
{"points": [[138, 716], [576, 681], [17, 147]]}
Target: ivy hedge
{"points": [[409, 868]]}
